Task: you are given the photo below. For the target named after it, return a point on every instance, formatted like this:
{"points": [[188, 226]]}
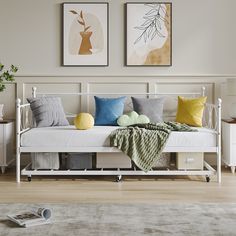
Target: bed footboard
{"points": [[212, 120]]}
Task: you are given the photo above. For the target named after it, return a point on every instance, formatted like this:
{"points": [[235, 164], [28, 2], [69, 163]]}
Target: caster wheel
{"points": [[29, 179], [208, 179], [118, 178]]}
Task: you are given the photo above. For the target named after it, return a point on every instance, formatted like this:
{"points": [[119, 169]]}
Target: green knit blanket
{"points": [[144, 143]]}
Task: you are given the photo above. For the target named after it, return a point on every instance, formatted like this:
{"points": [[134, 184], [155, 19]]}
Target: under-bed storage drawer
{"points": [[113, 160], [190, 161], [45, 160], [79, 161], [163, 161]]}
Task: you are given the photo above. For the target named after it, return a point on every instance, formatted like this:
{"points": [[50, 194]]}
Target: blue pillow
{"points": [[108, 110]]}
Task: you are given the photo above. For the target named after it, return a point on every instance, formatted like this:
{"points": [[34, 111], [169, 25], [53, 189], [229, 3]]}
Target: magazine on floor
{"points": [[39, 216]]}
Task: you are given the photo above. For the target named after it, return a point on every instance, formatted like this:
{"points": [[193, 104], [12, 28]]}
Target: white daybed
{"points": [[68, 139]]}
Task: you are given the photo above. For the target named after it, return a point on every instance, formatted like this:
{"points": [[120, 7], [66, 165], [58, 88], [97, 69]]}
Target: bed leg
{"points": [[18, 167], [219, 167], [18, 124], [219, 142], [3, 168]]}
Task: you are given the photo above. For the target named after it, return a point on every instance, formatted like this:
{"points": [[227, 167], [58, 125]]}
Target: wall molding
{"points": [[130, 75]]}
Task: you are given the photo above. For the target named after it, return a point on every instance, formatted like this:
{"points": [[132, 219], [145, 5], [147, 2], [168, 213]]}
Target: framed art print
{"points": [[85, 34], [149, 34]]}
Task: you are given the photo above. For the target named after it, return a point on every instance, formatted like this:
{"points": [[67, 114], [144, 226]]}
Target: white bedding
{"points": [[98, 136]]}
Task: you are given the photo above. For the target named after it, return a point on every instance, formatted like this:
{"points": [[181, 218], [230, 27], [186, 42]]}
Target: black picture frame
{"points": [[88, 53], [126, 35]]}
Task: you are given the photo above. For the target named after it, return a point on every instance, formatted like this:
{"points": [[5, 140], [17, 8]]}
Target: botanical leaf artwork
{"points": [[153, 23], [85, 46], [148, 34]]}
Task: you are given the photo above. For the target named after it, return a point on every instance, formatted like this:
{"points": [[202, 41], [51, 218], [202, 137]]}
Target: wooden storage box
{"points": [[113, 160], [189, 161]]}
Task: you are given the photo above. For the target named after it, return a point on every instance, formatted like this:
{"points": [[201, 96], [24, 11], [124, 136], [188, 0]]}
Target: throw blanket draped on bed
{"points": [[144, 143]]}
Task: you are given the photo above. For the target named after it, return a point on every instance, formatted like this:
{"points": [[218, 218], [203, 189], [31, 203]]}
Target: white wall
{"points": [[204, 36]]}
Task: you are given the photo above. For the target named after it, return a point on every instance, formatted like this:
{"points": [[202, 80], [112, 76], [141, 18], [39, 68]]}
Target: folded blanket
{"points": [[144, 143]]}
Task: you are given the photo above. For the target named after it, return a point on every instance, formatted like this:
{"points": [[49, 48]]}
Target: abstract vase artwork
{"points": [[148, 34], [85, 34], [85, 46]]}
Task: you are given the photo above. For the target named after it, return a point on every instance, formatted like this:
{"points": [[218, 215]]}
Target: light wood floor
{"points": [[105, 190]]}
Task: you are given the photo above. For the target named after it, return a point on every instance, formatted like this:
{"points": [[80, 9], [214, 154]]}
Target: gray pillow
{"points": [[48, 111], [151, 107]]}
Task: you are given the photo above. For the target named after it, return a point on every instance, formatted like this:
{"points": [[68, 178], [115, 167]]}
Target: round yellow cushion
{"points": [[84, 121]]}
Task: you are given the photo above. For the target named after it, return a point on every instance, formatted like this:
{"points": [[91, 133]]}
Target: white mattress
{"points": [[98, 136]]}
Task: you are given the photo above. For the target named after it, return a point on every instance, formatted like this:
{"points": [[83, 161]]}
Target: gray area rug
{"points": [[126, 219]]}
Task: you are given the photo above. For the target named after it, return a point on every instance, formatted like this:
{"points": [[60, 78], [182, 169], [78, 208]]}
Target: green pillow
{"points": [[132, 118]]}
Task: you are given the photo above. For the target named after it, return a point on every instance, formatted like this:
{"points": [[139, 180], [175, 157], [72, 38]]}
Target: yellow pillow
{"points": [[190, 110], [84, 121]]}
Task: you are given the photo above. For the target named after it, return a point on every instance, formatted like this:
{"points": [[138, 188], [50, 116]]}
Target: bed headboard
{"points": [[170, 103], [211, 118]]}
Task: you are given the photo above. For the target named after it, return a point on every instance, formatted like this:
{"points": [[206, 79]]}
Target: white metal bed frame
{"points": [[212, 120]]}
